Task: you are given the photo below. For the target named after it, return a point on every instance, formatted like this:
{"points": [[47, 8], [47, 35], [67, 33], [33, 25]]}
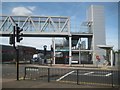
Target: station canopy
{"points": [[105, 46]]}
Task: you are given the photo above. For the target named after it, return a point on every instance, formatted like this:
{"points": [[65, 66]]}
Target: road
{"points": [[90, 76], [9, 71]]}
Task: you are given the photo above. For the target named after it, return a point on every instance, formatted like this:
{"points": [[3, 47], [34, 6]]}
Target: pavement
{"points": [[12, 83], [78, 66], [91, 66]]}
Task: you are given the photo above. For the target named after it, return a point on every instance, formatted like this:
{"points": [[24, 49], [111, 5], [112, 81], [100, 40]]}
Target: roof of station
{"points": [[105, 46]]}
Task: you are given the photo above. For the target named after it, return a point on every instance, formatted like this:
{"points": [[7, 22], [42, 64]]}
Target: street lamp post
{"points": [[79, 52], [79, 56], [45, 61], [51, 57]]}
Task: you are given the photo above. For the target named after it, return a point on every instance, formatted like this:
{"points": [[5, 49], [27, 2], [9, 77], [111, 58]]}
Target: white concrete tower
{"points": [[95, 14]]}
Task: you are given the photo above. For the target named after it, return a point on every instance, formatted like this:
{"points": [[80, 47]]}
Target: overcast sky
{"points": [[76, 11]]}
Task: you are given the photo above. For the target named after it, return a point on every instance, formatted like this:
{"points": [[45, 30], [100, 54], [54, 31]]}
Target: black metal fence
{"points": [[76, 76]]}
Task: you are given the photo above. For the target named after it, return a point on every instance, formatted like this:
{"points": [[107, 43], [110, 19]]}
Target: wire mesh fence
{"points": [[76, 76]]}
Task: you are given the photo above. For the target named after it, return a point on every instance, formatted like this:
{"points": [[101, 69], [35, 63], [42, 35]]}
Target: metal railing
{"points": [[76, 76]]}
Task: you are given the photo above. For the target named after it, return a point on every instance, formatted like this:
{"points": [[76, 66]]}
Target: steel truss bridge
{"points": [[36, 25], [42, 26]]}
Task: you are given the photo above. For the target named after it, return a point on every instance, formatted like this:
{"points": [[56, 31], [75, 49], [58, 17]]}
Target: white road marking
{"points": [[65, 75], [108, 74], [88, 73], [92, 73]]}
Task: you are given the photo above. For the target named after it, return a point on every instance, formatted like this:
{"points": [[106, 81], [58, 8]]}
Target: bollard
{"points": [[77, 77], [48, 74]]}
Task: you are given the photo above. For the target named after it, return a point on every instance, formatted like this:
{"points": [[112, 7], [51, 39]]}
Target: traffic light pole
{"points": [[17, 54], [16, 33], [14, 28], [18, 39], [17, 63]]}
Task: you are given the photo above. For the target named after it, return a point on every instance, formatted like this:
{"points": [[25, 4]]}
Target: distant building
{"points": [[26, 53], [9, 54]]}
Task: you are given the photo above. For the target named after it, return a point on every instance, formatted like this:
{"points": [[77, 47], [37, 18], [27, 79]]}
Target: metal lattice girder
{"points": [[35, 24]]}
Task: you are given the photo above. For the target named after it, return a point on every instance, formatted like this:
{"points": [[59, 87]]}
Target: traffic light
{"points": [[12, 39], [19, 34]]}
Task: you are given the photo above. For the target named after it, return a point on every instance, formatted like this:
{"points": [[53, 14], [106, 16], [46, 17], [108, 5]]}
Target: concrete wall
{"points": [[96, 14]]}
